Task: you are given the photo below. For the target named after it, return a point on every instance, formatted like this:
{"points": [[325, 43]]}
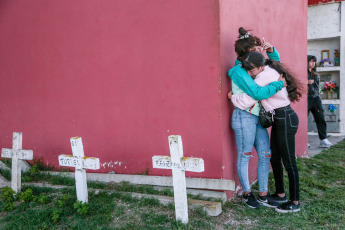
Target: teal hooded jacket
{"points": [[242, 82]]}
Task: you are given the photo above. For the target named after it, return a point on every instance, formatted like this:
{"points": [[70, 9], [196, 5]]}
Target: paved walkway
{"points": [[314, 142]]}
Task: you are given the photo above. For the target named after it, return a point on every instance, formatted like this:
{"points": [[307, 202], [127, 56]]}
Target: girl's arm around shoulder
{"points": [[248, 85], [267, 76], [242, 101]]}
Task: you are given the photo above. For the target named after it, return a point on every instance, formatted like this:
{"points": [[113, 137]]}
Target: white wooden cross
{"points": [[179, 165], [80, 162], [17, 154]]}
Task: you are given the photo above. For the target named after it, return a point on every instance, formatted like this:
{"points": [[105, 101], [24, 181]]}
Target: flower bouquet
{"points": [[326, 62], [330, 87]]}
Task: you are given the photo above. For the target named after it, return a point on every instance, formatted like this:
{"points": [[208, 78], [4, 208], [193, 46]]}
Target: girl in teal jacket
{"points": [[245, 123]]}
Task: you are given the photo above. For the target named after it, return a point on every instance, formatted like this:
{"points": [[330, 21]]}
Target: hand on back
{"points": [[281, 78]]}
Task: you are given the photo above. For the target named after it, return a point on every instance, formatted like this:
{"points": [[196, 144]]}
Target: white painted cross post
{"points": [[17, 154], [179, 165], [80, 162]]}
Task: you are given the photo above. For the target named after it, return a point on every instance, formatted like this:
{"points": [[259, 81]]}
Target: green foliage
{"points": [[34, 170], [7, 162], [26, 196], [42, 198], [31, 175], [6, 173], [41, 166], [63, 200], [81, 207], [7, 196], [55, 215], [61, 180]]}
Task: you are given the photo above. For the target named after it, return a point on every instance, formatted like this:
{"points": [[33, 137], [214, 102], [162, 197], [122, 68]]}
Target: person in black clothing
{"points": [[315, 104]]}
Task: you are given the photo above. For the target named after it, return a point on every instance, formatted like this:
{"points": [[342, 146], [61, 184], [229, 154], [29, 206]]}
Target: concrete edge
{"points": [[203, 193], [196, 183], [4, 182], [25, 166]]}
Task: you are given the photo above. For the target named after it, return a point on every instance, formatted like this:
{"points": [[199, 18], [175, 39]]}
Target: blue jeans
{"points": [[249, 133]]}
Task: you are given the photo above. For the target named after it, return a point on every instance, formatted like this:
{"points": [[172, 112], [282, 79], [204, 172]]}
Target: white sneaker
{"points": [[325, 143], [308, 145]]}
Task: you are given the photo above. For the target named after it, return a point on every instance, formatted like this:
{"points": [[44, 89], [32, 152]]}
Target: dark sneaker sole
{"points": [[281, 201], [248, 204], [287, 211], [267, 204]]}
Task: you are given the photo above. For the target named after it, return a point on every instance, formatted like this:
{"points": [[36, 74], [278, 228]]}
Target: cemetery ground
{"points": [[111, 206]]}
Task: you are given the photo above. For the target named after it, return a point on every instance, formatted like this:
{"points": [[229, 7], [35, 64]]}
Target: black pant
{"points": [[315, 106], [283, 133]]}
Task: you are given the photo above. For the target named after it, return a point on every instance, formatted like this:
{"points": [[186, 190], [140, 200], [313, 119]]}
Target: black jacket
{"points": [[313, 89]]}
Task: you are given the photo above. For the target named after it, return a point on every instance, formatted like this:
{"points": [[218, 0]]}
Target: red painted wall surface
{"points": [[124, 75]]}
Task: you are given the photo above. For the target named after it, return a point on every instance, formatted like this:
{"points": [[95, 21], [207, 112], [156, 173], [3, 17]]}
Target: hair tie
{"points": [[246, 35]]}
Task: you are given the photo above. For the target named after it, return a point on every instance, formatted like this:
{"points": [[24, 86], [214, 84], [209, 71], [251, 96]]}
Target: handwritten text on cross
{"points": [[178, 164], [17, 154], [80, 162]]}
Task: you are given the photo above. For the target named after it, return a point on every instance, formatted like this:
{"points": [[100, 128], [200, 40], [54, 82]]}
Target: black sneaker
{"points": [[288, 207], [250, 201], [268, 201], [278, 199]]}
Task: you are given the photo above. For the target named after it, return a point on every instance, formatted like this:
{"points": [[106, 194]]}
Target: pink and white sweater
{"points": [[278, 100]]}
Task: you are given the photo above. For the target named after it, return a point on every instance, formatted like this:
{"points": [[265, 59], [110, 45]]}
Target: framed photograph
{"points": [[324, 54]]}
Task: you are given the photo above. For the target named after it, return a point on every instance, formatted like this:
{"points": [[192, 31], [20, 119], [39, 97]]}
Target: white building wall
{"points": [[323, 19], [326, 31]]}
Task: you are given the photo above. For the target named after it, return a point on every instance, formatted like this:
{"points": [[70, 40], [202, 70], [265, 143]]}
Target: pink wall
{"points": [[124, 75]]}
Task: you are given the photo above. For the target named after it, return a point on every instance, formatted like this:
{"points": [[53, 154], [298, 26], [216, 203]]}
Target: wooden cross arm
{"points": [[186, 163], [21, 154], [79, 162]]}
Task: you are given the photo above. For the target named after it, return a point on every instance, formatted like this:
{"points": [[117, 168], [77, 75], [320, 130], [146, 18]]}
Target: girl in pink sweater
{"points": [[285, 122]]}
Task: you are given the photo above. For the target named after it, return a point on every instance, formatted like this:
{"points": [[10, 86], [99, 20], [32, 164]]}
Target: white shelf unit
{"points": [[331, 101], [328, 69], [324, 36], [329, 36]]}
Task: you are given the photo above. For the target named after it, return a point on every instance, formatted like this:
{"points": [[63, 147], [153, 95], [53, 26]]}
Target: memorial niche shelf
{"points": [[324, 36], [328, 69]]}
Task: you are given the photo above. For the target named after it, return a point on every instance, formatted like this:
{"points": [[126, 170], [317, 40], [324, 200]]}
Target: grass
{"points": [[322, 185]]}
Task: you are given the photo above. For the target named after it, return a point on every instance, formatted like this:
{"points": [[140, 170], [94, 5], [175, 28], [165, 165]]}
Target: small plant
{"points": [[31, 175], [26, 196], [62, 200], [41, 166], [82, 208], [55, 215], [34, 171], [7, 195], [60, 203], [42, 199]]}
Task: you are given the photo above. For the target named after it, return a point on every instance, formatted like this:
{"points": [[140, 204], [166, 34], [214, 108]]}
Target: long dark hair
{"points": [[294, 86], [245, 42], [313, 70]]}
